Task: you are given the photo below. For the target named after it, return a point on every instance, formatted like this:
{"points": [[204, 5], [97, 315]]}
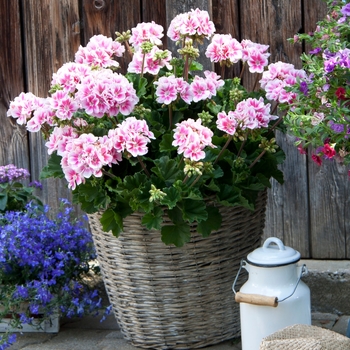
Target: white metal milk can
{"points": [[274, 297]]}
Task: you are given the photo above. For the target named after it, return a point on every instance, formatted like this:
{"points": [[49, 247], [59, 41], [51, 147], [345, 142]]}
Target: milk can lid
{"points": [[273, 253]]}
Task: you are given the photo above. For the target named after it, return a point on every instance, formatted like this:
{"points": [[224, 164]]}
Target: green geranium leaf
{"points": [[212, 186], [112, 221], [53, 168], [212, 223], [194, 210], [154, 219], [173, 195], [229, 195], [132, 182], [166, 144], [166, 169], [176, 234], [196, 66], [264, 180], [3, 201], [214, 108]]}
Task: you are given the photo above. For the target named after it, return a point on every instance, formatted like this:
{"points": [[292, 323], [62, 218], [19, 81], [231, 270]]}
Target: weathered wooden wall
{"points": [[309, 212]]}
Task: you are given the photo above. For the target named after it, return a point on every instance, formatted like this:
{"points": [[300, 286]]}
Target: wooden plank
{"points": [[51, 33], [272, 22], [329, 210], [108, 16], [329, 186], [13, 138], [314, 11]]}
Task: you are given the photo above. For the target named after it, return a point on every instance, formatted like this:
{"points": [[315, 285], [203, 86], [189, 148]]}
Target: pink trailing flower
{"points": [[328, 151], [224, 48], [317, 159], [146, 32], [191, 137], [99, 52], [195, 22]]}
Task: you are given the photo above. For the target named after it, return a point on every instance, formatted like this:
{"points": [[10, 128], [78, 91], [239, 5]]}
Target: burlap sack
{"points": [[304, 337]]}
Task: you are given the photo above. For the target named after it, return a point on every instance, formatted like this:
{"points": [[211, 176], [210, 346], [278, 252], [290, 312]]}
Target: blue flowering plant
{"points": [[42, 264], [319, 116], [14, 194]]}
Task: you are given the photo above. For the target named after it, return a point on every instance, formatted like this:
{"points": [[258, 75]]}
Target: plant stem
{"points": [[143, 166], [186, 68], [222, 71], [277, 123], [275, 108], [257, 158], [128, 49], [241, 148], [256, 81], [196, 180], [170, 116], [223, 148], [241, 75], [143, 64], [109, 174]]}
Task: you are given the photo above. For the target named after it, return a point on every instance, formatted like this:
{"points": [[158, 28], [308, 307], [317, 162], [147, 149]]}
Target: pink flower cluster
{"points": [[150, 63], [279, 76], [191, 24], [99, 52], [143, 32], [170, 88], [78, 86], [249, 114], [104, 92], [255, 55], [132, 136], [23, 106], [224, 48], [191, 137], [86, 155]]}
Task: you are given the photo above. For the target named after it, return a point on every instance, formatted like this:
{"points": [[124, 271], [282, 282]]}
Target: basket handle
{"points": [[256, 299]]}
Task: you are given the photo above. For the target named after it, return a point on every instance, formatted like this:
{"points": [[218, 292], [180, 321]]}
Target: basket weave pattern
{"points": [[166, 297], [305, 337]]}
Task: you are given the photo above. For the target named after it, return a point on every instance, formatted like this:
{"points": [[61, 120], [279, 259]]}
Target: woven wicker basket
{"points": [[305, 337], [177, 298]]}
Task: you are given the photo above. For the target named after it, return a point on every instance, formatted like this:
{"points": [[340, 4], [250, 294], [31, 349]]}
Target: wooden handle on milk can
{"points": [[256, 299]]}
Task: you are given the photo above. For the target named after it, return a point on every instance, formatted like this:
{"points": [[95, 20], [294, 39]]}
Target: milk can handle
{"points": [[258, 299]]}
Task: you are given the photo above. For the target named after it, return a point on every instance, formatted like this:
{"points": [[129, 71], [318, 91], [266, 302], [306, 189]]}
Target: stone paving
{"points": [[89, 333]]}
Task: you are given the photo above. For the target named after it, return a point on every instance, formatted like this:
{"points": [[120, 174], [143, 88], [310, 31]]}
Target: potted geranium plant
{"points": [[320, 113], [166, 138], [42, 262]]}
